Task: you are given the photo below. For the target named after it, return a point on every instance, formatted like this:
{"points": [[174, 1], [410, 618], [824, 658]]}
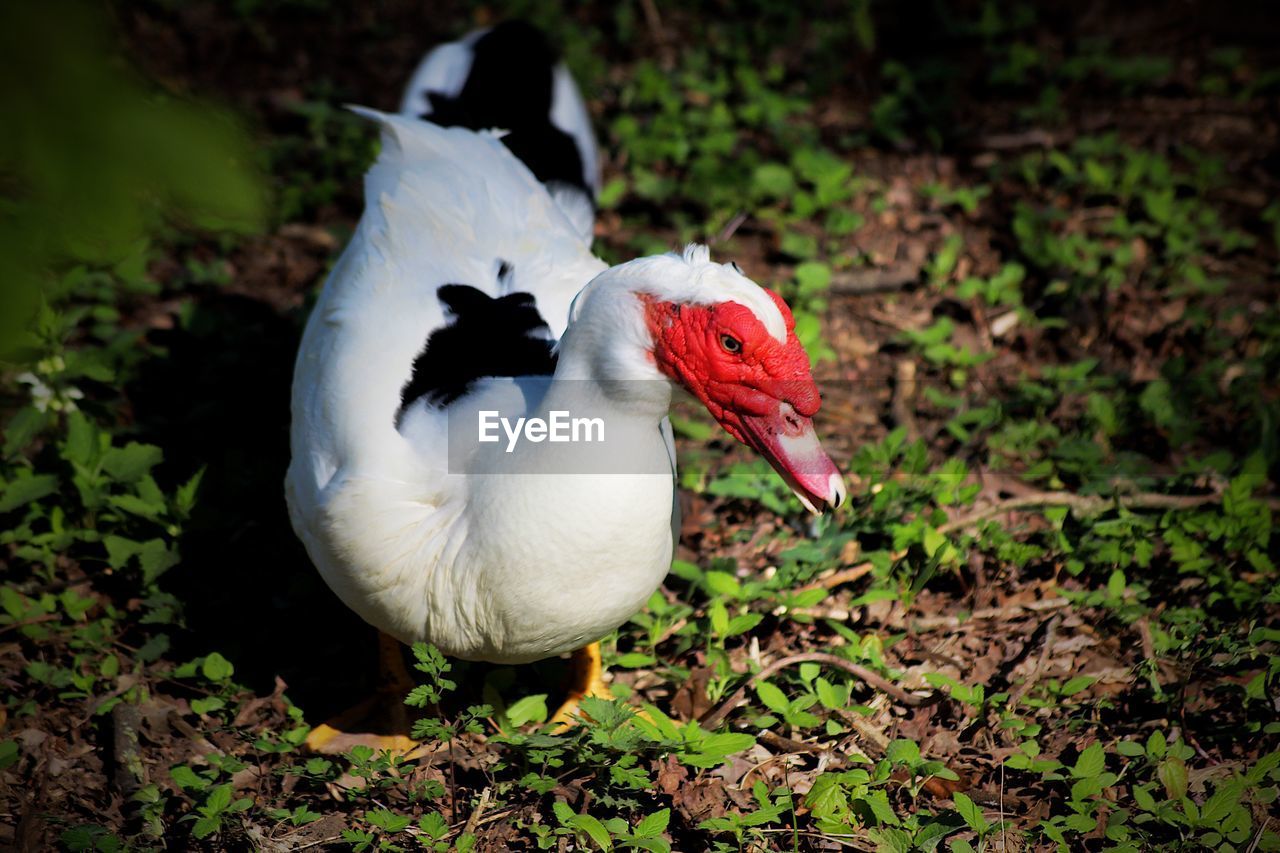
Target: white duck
{"points": [[434, 313]]}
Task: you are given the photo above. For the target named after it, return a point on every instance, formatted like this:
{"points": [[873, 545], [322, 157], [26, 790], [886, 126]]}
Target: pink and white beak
{"points": [[788, 440]]}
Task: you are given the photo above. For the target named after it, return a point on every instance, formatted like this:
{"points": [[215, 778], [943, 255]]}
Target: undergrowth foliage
{"points": [[1048, 618]]}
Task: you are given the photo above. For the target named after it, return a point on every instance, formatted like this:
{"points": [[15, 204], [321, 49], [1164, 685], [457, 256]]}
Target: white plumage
{"points": [[418, 552], [522, 564]]}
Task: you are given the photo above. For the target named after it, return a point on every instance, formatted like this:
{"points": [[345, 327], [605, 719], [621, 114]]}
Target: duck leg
{"points": [[381, 721], [587, 680]]}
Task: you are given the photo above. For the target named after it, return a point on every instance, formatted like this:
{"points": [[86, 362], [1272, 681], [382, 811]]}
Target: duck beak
{"points": [[788, 440]]}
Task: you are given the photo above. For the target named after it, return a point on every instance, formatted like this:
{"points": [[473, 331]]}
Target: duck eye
{"points": [[730, 344]]}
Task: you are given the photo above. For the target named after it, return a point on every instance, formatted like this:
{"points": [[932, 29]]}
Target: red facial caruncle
{"points": [[760, 389]]}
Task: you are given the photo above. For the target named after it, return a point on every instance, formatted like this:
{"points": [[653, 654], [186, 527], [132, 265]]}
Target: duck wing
{"points": [[461, 267]]}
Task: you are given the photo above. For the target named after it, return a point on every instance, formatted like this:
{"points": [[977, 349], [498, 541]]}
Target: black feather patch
{"points": [[510, 87], [487, 337]]}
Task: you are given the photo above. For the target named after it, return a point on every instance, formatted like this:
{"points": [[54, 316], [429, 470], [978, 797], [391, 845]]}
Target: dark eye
{"points": [[730, 344]]}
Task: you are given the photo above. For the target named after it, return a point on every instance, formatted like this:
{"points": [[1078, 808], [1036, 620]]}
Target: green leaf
{"points": [[772, 181], [206, 826], [654, 824], [207, 704], [120, 550], [1172, 773], [132, 462], [434, 825], [594, 829], [219, 799], [1143, 798], [827, 798], [1076, 684], [772, 697], [1092, 761], [723, 583], [155, 557], [529, 709], [216, 667], [725, 743], [387, 820], [23, 427], [933, 540], [1130, 749], [184, 777], [903, 751], [25, 488], [137, 505], [832, 697], [1156, 745], [8, 754], [185, 497], [82, 441], [812, 277], [971, 813]]}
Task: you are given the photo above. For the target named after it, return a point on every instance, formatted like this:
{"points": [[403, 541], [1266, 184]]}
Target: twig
{"points": [[904, 395], [1034, 138], [47, 617], [932, 623], [850, 574], [731, 227], [1253, 845], [875, 281], [130, 773], [1050, 639], [317, 843], [1087, 505], [717, 715], [1004, 830], [657, 32], [790, 746], [478, 811]]}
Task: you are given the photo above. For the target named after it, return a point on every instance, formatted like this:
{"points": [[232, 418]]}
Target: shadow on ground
{"points": [[219, 398]]}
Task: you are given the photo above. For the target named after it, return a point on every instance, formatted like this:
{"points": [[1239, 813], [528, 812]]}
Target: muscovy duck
{"points": [[465, 281]]}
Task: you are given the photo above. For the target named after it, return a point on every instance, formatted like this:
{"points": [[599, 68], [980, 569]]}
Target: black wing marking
{"points": [[505, 336], [510, 86]]}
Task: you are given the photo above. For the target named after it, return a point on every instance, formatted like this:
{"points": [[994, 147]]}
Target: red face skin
{"points": [[759, 389]]}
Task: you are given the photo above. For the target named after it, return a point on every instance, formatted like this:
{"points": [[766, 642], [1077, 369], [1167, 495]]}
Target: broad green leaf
{"points": [[723, 583], [219, 799], [903, 751], [8, 753], [25, 488], [594, 829], [207, 704], [726, 743], [206, 826], [1172, 773], [216, 667], [772, 697], [654, 824], [1092, 761], [185, 777], [529, 709], [130, 463], [970, 811]]}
